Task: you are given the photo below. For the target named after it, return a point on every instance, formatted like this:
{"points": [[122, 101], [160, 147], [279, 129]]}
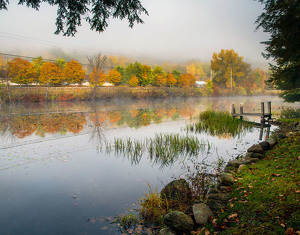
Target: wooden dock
{"points": [[265, 116]]}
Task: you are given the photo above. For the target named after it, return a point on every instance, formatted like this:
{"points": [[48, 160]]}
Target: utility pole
{"points": [[231, 79]]}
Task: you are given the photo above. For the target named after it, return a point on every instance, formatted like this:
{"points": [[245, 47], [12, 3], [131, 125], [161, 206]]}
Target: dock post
{"points": [[262, 110], [241, 111], [233, 110], [269, 111]]}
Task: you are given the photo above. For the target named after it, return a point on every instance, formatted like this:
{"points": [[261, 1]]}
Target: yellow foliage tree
{"points": [[229, 68], [73, 72], [51, 74], [21, 71], [170, 80], [97, 78], [134, 81], [114, 77]]}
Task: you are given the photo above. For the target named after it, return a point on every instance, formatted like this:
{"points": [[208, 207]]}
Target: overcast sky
{"points": [[174, 30]]}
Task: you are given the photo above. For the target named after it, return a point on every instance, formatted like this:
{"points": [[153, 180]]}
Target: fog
{"points": [[175, 30]]}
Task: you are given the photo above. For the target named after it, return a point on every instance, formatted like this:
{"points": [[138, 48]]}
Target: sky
{"points": [[175, 30]]}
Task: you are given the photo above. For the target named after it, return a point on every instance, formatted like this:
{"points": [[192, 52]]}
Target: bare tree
{"points": [[96, 65]]}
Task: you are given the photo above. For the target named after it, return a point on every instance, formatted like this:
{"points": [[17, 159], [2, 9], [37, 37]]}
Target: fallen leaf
{"points": [[232, 216], [206, 231], [230, 204]]}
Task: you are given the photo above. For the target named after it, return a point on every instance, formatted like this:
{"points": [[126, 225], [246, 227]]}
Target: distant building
{"points": [[200, 83]]}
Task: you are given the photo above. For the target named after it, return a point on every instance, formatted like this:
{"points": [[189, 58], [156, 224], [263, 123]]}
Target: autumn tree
{"points": [[51, 74], [142, 72], [97, 63], [97, 78], [73, 72], [229, 68], [37, 64], [114, 77], [61, 63], [186, 80], [195, 69], [176, 74], [160, 80], [280, 20], [21, 71], [134, 81], [170, 80]]}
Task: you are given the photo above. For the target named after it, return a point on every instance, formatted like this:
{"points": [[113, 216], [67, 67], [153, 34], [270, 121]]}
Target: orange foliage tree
{"points": [[186, 80], [73, 72], [170, 80], [114, 77], [134, 81], [160, 80], [21, 71], [97, 78], [51, 74]]}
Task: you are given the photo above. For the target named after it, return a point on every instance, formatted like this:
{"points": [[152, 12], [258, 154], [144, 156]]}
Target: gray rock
{"points": [[167, 231], [179, 221], [257, 148], [226, 179], [272, 141], [234, 163], [201, 213], [249, 160], [254, 155], [215, 205], [265, 145], [177, 190], [241, 167], [213, 191], [219, 197]]}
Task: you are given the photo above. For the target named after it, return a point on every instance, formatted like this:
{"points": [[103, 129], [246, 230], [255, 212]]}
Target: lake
{"points": [[57, 177]]}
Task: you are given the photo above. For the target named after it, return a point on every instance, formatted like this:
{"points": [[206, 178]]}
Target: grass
{"points": [[218, 123], [265, 198], [162, 149]]}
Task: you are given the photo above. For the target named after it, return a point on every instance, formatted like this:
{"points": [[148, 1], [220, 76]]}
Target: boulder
{"points": [[213, 191], [179, 221], [177, 190], [216, 205], [254, 155], [265, 145], [201, 213], [257, 148], [272, 141], [219, 196], [241, 167], [167, 231], [226, 179]]}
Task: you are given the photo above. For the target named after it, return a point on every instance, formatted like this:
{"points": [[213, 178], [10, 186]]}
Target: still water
{"points": [[57, 178]]}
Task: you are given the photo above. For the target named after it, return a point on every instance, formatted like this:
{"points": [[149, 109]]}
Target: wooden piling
{"points": [[269, 110], [241, 111], [233, 109]]}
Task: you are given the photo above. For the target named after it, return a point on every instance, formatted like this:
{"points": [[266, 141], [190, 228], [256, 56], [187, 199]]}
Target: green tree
{"points": [[96, 13], [176, 74], [37, 64], [281, 20], [61, 63]]}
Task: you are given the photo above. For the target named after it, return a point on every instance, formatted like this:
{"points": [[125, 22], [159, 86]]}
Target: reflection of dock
{"points": [[265, 118]]}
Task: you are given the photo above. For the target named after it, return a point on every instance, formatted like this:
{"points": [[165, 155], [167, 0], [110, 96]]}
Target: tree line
{"points": [[227, 71]]}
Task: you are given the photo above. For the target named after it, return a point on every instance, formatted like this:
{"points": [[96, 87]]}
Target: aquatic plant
{"points": [[163, 149], [218, 123]]}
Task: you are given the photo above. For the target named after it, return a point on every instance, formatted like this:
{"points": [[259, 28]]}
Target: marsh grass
{"points": [[218, 123], [154, 207], [163, 149]]}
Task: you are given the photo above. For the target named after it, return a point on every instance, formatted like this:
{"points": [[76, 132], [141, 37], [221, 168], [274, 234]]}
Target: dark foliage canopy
{"points": [[281, 19], [95, 12]]}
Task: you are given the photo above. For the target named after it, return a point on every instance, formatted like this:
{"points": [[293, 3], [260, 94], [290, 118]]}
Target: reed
{"points": [[218, 123], [162, 149]]}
